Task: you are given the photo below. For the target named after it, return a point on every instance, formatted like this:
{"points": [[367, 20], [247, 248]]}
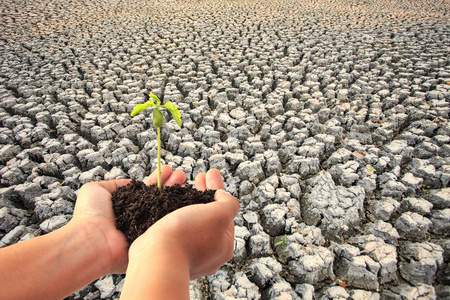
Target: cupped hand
{"points": [[202, 233], [94, 215]]}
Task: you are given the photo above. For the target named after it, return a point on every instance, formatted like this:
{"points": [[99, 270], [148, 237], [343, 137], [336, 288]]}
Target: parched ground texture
{"points": [[327, 119]]}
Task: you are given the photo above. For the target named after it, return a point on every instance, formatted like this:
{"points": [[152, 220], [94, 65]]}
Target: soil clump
{"points": [[138, 206]]}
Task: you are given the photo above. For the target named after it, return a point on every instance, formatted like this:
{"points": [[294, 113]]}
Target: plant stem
{"points": [[159, 158]]}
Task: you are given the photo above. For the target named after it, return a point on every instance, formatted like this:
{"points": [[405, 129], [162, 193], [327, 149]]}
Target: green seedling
{"points": [[371, 169], [158, 121], [282, 242]]}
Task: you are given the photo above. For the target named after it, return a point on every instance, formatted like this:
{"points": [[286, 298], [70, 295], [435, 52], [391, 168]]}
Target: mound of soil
{"points": [[138, 206]]}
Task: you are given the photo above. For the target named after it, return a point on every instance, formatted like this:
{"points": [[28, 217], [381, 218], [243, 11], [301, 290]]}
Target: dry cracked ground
{"points": [[327, 119]]}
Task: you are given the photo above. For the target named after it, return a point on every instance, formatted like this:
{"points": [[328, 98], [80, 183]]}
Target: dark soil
{"points": [[138, 206]]}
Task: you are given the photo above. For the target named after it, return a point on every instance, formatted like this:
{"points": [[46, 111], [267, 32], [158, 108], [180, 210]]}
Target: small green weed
{"points": [[282, 242]]}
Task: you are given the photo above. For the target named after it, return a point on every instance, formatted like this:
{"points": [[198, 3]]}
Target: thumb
{"points": [[228, 204]]}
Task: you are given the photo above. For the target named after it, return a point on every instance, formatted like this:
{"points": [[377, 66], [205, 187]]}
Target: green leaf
{"points": [[153, 96], [140, 107], [279, 243], [174, 111]]}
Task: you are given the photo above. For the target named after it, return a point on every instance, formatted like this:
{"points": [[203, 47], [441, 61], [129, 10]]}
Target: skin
{"points": [[57, 264], [184, 245]]}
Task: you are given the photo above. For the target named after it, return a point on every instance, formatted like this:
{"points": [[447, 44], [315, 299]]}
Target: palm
{"points": [[94, 212], [94, 200]]}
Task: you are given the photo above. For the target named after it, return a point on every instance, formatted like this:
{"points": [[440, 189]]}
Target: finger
{"points": [[214, 180], [200, 182], [226, 203], [110, 185], [177, 177], [166, 171]]}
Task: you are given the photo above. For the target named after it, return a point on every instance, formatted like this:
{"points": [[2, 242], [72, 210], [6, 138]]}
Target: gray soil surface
{"points": [[327, 119]]}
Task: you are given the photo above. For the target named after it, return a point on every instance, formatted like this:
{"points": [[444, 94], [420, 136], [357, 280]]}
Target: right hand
{"points": [[203, 234]]}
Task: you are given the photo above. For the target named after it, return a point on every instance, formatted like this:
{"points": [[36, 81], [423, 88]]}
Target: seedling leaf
{"points": [[140, 107], [153, 96], [174, 111], [282, 242]]}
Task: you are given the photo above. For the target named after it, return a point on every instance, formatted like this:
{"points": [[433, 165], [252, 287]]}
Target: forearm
{"points": [[156, 274], [51, 266]]}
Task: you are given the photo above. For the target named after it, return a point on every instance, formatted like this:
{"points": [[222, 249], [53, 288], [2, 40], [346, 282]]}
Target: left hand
{"points": [[94, 215]]}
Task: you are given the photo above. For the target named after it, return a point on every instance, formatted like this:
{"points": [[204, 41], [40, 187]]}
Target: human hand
{"points": [[201, 235], [94, 215]]}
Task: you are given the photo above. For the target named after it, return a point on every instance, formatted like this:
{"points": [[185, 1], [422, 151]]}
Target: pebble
{"points": [[412, 225], [417, 205], [420, 261], [312, 264], [441, 198], [384, 231], [106, 286], [441, 222], [54, 223], [336, 208], [264, 270]]}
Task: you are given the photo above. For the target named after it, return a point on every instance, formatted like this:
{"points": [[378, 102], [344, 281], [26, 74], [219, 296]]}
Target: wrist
{"points": [[103, 242], [157, 270], [150, 247]]}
